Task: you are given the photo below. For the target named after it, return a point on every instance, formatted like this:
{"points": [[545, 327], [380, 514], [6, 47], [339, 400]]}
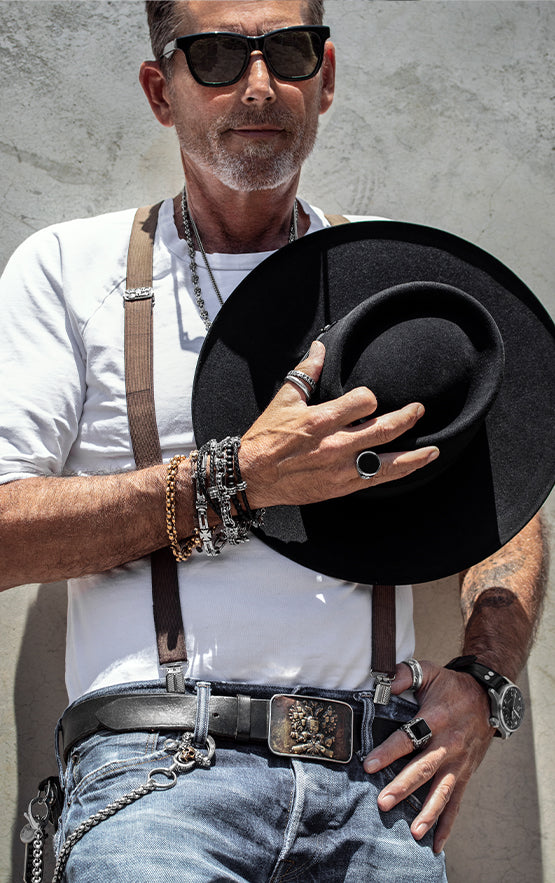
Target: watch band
{"points": [[486, 676], [497, 687]]}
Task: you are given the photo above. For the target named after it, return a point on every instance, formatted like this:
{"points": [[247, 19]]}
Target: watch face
{"points": [[512, 708]]}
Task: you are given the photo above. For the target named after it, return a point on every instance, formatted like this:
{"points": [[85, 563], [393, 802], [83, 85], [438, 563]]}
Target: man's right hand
{"points": [[55, 528], [297, 453]]}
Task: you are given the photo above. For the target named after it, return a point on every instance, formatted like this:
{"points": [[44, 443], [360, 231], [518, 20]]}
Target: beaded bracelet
{"points": [[182, 550]]}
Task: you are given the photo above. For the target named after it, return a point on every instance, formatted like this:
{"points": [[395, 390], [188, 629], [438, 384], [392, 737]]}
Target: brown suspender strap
{"points": [[139, 387], [384, 636], [335, 220], [139, 302], [383, 597]]}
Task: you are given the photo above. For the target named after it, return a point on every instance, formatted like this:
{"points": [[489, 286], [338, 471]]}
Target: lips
{"points": [[262, 125], [257, 132]]}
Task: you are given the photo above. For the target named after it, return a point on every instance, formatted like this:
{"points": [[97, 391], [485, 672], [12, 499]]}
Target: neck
{"points": [[234, 222]]}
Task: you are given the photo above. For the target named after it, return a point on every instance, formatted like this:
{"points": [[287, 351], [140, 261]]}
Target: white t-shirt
{"points": [[250, 614]]}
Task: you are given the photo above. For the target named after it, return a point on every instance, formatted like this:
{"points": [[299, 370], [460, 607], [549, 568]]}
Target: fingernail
{"points": [[420, 411], [387, 802], [371, 766], [433, 456], [309, 352], [420, 830]]}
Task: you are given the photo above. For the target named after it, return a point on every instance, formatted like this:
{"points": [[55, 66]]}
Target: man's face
{"points": [[254, 134]]}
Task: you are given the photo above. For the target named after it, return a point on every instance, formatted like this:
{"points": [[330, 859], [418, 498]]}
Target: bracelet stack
{"points": [[219, 486]]}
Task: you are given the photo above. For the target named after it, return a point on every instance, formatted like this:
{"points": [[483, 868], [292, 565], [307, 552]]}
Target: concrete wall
{"points": [[444, 116]]}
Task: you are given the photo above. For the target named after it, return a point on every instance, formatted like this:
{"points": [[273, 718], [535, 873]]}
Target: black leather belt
{"points": [[309, 727]]}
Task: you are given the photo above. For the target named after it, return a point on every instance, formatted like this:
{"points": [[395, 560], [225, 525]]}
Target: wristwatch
{"points": [[505, 699]]}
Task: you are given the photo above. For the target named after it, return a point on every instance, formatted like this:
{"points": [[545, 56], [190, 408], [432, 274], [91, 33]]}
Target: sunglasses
{"points": [[221, 59]]}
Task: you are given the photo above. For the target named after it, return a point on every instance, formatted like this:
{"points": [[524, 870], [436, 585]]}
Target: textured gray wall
{"points": [[444, 116]]}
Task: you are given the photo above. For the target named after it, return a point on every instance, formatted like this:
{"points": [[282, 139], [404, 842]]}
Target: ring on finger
{"points": [[368, 464], [418, 732], [303, 381], [416, 671]]}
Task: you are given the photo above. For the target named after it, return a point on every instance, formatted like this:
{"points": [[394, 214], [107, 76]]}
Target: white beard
{"points": [[259, 165]]}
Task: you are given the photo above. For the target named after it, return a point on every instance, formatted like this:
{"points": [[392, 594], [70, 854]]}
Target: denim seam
{"points": [[113, 766], [282, 874], [296, 808]]}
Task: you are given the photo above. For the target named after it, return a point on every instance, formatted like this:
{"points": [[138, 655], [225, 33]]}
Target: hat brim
{"points": [[388, 535]]}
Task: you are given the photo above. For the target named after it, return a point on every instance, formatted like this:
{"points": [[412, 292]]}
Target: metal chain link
{"points": [[186, 757], [188, 222], [91, 822], [42, 813], [38, 855]]}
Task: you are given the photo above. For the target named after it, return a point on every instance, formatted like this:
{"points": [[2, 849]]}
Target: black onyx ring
{"points": [[368, 464], [418, 732]]}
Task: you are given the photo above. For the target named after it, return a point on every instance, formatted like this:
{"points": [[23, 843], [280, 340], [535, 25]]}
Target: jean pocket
{"points": [[98, 762]]}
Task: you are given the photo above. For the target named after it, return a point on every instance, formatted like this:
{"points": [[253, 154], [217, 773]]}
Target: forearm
{"points": [[56, 528], [501, 600]]}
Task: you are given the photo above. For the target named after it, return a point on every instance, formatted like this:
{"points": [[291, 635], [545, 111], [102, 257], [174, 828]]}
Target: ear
{"points": [[328, 77], [155, 87]]}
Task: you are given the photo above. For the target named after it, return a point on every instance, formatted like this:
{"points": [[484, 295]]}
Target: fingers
{"points": [[355, 406], [458, 717], [395, 746], [312, 366], [296, 455], [345, 413], [403, 678], [428, 767], [402, 463], [447, 820]]}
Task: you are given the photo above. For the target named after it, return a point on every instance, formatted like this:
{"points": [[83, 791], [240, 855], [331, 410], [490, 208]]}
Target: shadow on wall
{"points": [[497, 834], [39, 699]]}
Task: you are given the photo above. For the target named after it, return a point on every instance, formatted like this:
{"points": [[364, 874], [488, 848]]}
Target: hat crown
{"points": [[419, 342]]}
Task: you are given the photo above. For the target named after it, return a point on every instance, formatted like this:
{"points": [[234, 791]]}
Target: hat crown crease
{"points": [[420, 342]]}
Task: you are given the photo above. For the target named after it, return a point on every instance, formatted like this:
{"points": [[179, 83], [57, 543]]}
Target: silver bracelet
{"points": [[212, 540], [218, 484]]}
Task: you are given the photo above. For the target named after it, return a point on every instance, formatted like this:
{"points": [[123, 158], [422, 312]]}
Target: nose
{"points": [[258, 83]]}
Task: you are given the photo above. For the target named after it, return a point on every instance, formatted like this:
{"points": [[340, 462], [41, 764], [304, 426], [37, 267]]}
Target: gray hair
{"points": [[163, 20]]}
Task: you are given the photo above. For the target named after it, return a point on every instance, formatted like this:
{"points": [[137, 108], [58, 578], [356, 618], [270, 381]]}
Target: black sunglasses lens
{"points": [[217, 58], [294, 54]]}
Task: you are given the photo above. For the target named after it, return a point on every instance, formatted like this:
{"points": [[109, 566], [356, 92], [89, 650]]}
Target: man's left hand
{"points": [[456, 709]]}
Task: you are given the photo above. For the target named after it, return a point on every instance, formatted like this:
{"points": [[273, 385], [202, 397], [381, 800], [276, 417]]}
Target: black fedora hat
{"points": [[416, 314]]}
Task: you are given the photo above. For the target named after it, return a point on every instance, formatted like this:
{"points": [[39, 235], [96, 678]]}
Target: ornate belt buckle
{"points": [[311, 728]]}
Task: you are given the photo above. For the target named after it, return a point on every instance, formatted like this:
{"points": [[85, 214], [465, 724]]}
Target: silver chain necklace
{"points": [[188, 222]]}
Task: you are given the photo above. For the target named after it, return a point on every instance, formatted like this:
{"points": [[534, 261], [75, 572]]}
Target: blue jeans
{"points": [[253, 816]]}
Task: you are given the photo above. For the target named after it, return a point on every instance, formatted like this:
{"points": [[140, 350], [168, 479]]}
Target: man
{"points": [[251, 815]]}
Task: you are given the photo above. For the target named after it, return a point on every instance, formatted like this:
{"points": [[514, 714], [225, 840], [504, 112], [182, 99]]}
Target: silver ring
{"points": [[418, 732], [303, 381], [417, 673], [302, 376], [368, 464]]}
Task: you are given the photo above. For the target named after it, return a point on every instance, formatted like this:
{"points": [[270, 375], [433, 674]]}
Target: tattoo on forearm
{"points": [[498, 572], [495, 598], [501, 598]]}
